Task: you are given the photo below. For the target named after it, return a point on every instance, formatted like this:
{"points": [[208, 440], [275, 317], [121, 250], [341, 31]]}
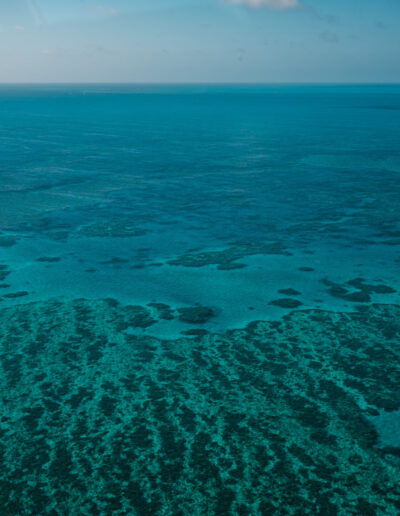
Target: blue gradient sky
{"points": [[200, 41]]}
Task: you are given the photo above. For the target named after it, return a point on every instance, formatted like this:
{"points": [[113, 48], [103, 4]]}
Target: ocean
{"points": [[199, 299]]}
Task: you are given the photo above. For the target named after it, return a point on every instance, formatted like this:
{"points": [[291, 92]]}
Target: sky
{"points": [[196, 41]]}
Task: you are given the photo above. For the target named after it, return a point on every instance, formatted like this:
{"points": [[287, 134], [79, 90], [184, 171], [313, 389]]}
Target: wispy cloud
{"points": [[104, 9], [330, 37], [278, 5], [18, 27], [34, 11]]}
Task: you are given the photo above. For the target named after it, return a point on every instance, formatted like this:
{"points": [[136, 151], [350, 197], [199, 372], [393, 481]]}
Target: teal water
{"points": [[199, 299]]}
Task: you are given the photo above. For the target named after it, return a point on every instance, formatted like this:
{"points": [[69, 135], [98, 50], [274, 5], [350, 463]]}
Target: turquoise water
{"points": [[199, 299]]}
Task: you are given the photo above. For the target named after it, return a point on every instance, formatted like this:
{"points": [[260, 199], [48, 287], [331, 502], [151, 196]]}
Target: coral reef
{"points": [[286, 302], [195, 314], [273, 417], [4, 272], [6, 241], [226, 258], [362, 292], [49, 259], [289, 292], [112, 228]]}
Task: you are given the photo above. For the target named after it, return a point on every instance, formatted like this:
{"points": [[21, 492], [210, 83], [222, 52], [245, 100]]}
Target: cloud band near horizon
{"points": [[278, 5]]}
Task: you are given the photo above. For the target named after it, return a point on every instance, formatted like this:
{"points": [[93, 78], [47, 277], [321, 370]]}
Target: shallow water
{"points": [[143, 231]]}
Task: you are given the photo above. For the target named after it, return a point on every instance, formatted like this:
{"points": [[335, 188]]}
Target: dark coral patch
{"points": [[4, 272], [116, 260], [195, 314], [195, 333], [225, 259], [363, 291], [49, 259], [289, 292], [163, 311], [383, 289], [358, 297], [139, 317], [286, 302], [12, 295], [7, 241], [360, 284]]}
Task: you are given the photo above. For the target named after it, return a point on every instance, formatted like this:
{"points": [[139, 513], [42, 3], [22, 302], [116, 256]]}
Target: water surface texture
{"points": [[199, 300]]}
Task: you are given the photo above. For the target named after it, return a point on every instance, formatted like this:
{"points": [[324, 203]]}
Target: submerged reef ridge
{"points": [[277, 414]]}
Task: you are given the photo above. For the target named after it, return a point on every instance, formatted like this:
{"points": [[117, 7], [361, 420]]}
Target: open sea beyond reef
{"points": [[200, 300]]}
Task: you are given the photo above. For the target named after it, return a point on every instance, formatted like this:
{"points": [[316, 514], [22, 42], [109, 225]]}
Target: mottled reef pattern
{"points": [[275, 418]]}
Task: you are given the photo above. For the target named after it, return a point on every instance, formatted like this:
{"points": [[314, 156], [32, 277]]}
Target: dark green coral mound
{"points": [[289, 292], [359, 283], [362, 292], [4, 272], [225, 259], [21, 293], [270, 419], [195, 314], [163, 311], [6, 241], [49, 259], [286, 302]]}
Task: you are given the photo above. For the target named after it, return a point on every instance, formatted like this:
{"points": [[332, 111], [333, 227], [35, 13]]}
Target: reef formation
{"points": [[274, 418]]}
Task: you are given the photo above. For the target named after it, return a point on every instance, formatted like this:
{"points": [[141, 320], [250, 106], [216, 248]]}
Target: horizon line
{"points": [[199, 83]]}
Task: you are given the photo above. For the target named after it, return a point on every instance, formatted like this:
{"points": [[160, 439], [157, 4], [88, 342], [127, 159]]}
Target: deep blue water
{"points": [[225, 204]]}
